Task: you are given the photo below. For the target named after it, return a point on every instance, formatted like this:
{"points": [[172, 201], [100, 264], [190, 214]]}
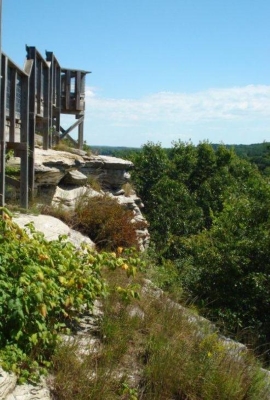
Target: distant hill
{"points": [[112, 150], [257, 153]]}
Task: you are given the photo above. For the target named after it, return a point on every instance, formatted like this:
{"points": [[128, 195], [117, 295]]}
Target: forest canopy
{"points": [[209, 215]]}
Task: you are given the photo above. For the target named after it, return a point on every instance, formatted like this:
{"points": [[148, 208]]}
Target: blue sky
{"points": [[162, 71]]}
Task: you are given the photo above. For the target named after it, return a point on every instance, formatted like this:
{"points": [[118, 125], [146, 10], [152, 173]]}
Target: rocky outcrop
{"points": [[63, 178], [52, 166], [63, 168], [111, 172], [74, 178], [68, 197]]}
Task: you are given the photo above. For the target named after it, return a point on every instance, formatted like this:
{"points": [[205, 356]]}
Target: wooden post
{"points": [[80, 134], [78, 90], [2, 160], [12, 104], [73, 126], [67, 89], [32, 123], [46, 109], [24, 178], [4, 65], [58, 103]]}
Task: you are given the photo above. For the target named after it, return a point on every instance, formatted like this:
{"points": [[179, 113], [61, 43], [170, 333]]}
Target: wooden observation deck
{"points": [[32, 101]]}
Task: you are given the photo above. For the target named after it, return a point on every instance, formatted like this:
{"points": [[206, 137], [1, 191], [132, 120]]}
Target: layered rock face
{"points": [[59, 167], [61, 178]]}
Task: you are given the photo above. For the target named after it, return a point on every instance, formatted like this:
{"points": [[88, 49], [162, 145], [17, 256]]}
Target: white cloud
{"points": [[231, 115], [238, 103]]}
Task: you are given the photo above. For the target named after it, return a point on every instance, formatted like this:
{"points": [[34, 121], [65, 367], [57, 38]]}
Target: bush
{"points": [[42, 287], [227, 268], [103, 220], [106, 222]]}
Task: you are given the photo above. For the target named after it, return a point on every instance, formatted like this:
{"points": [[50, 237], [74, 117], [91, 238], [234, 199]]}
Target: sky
{"points": [[161, 71]]}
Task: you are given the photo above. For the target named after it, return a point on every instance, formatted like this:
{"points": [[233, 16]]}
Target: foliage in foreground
{"points": [[43, 285], [151, 350]]}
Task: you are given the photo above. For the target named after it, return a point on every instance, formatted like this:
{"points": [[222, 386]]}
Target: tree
{"points": [[209, 213], [227, 267]]}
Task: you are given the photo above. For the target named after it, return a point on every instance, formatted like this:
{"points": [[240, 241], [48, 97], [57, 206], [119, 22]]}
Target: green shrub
{"points": [[43, 285]]}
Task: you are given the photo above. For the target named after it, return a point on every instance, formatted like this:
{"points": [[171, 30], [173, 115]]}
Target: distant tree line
{"points": [[258, 154]]}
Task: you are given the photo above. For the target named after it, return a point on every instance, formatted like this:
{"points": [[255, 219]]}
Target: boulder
{"points": [[51, 166], [47, 176], [68, 197], [51, 228], [74, 178], [111, 172]]}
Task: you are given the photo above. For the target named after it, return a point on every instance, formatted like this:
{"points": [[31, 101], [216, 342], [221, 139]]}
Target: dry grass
{"points": [[128, 189], [102, 219], [151, 351]]}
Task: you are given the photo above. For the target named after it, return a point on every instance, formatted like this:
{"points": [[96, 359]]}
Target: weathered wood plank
{"points": [[13, 182], [2, 159], [31, 124], [12, 104], [78, 90], [71, 127], [80, 133], [17, 146], [24, 178], [4, 66], [46, 108], [67, 90]]}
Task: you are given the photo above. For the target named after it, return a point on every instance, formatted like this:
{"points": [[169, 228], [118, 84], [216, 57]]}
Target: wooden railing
{"points": [[32, 101]]}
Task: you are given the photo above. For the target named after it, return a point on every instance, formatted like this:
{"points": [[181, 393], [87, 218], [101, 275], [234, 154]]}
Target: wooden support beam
{"points": [[13, 182], [67, 89], [24, 177], [46, 109], [12, 104], [32, 122], [2, 160], [4, 68], [70, 139], [58, 89], [65, 132], [80, 132], [38, 89], [78, 90], [16, 146]]}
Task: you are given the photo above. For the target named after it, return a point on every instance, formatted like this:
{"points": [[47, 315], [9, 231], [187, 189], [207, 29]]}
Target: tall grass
{"points": [[150, 350]]}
